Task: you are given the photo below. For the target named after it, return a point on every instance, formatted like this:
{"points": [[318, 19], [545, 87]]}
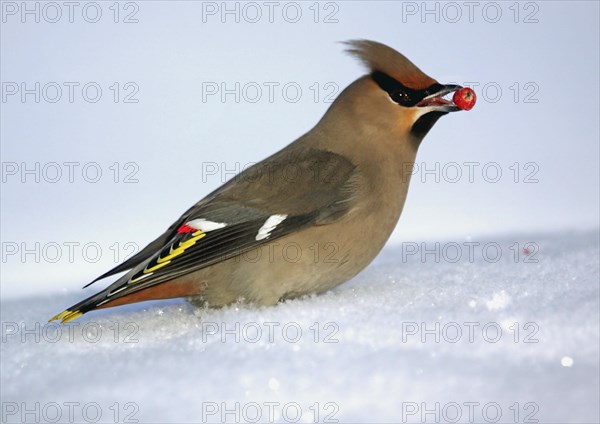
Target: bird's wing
{"points": [[146, 252], [316, 174], [313, 187]]}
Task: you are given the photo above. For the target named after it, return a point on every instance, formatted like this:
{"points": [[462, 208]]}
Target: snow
{"points": [[411, 339]]}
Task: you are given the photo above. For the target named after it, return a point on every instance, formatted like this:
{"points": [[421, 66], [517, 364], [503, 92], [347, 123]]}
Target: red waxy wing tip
{"points": [[186, 229]]}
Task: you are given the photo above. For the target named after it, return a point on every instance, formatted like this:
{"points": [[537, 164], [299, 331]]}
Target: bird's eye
{"points": [[400, 97]]}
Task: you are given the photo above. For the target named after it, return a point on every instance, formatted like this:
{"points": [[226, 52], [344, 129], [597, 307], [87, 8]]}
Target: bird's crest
{"points": [[379, 57]]}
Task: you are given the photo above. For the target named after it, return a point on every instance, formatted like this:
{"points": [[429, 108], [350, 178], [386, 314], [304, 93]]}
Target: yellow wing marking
{"points": [[181, 247], [155, 267]]}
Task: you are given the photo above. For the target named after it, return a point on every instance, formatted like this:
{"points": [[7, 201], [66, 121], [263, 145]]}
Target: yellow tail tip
{"points": [[66, 316], [59, 316]]}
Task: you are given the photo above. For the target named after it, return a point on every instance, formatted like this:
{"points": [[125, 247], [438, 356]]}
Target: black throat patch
{"points": [[420, 128]]}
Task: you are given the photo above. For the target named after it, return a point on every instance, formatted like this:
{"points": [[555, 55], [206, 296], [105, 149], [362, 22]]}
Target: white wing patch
{"points": [[204, 225], [269, 225]]}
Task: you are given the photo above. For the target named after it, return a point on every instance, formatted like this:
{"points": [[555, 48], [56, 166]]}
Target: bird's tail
{"points": [[79, 309], [116, 294], [66, 316]]}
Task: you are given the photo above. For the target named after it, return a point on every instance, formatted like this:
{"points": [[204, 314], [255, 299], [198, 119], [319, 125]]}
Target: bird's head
{"points": [[397, 95]]}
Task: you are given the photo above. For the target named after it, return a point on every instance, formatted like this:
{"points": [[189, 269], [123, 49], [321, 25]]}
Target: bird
{"points": [[305, 219]]}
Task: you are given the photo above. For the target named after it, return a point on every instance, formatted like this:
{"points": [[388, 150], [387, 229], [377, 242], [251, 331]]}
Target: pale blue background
{"points": [[170, 52]]}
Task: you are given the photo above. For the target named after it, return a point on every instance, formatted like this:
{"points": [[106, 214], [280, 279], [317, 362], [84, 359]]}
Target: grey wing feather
{"points": [[147, 252], [312, 187]]}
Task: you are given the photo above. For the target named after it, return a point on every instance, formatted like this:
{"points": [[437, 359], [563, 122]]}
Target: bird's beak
{"points": [[437, 102]]}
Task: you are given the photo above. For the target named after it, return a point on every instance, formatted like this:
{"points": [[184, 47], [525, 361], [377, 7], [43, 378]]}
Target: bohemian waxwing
{"points": [[305, 219]]}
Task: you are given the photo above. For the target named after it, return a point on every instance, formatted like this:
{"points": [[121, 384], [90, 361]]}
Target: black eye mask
{"points": [[401, 94]]}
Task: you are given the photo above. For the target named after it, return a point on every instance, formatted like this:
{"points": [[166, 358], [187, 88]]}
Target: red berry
{"points": [[464, 98]]}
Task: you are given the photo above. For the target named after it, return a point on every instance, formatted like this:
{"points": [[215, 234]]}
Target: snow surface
{"points": [[169, 363]]}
